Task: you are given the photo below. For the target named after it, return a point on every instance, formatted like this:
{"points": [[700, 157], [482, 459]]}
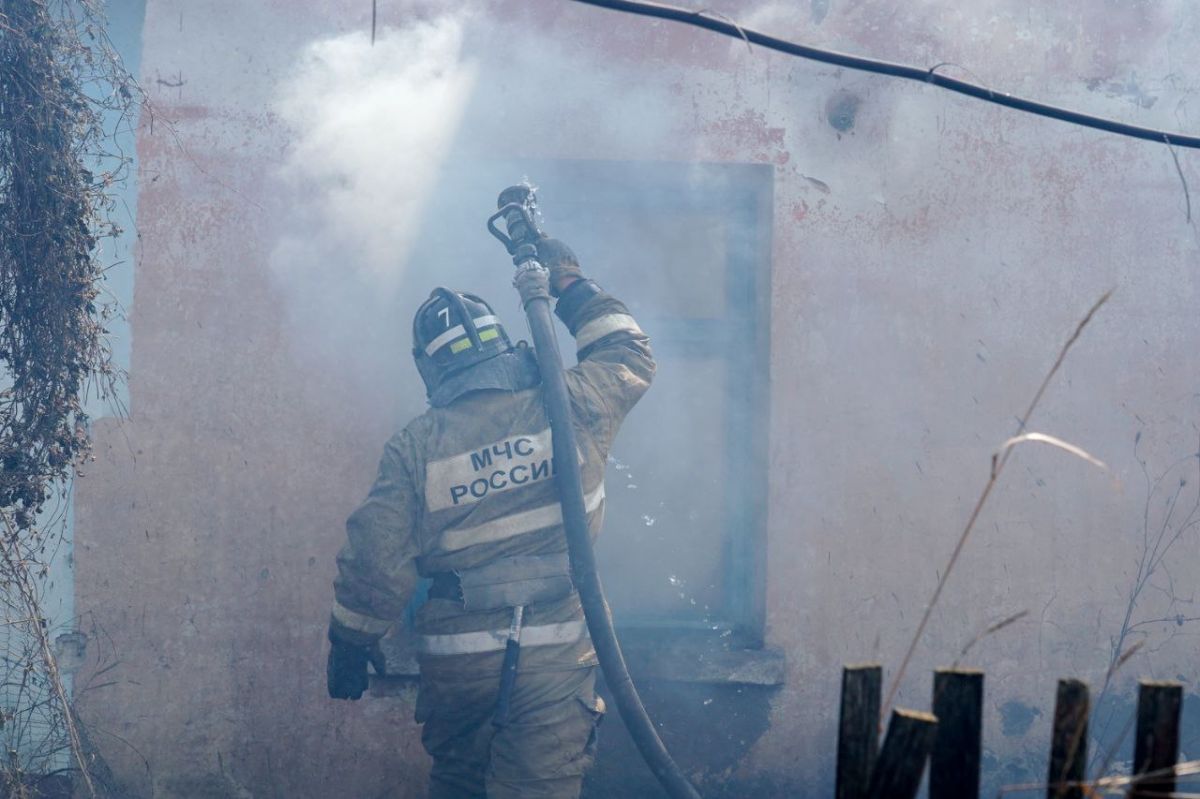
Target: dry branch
{"points": [[62, 90]]}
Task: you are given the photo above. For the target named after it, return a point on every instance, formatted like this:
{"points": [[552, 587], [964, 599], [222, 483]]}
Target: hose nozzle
{"points": [[518, 209]]}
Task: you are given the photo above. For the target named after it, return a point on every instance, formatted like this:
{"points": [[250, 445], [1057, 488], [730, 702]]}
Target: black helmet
{"points": [[453, 331]]}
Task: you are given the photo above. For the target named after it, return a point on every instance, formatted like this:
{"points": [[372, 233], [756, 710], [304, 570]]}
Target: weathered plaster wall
{"points": [[929, 261]]}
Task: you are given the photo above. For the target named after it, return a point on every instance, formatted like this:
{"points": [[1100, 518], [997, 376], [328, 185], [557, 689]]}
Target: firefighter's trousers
{"points": [[541, 753]]}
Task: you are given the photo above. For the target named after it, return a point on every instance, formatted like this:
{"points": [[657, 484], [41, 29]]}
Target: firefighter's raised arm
{"points": [[615, 363], [376, 574]]}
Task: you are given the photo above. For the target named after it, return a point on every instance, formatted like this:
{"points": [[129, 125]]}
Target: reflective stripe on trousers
{"points": [[567, 632]]}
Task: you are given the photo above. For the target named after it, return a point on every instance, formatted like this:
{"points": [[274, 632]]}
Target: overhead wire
{"points": [[719, 24]]}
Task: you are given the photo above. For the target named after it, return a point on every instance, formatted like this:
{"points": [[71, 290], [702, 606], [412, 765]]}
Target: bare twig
{"points": [[1157, 541], [20, 578], [1116, 783], [1187, 196]]}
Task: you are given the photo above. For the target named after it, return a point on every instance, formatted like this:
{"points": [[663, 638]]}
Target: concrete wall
{"points": [[931, 255]]}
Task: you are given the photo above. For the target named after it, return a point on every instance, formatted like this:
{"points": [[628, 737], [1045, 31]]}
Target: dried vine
{"points": [[62, 89]]}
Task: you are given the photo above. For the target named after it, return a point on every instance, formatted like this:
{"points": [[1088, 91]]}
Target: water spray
{"points": [[518, 206]]}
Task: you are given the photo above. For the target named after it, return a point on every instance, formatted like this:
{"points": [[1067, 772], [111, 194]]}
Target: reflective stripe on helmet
{"points": [[567, 632], [457, 331], [597, 329], [514, 524], [465, 343], [359, 621]]}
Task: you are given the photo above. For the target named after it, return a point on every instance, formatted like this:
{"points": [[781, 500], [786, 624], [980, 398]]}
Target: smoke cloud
{"points": [[373, 126], [397, 151]]}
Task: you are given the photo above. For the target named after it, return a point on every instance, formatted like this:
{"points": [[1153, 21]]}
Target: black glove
{"points": [[562, 263], [346, 670]]}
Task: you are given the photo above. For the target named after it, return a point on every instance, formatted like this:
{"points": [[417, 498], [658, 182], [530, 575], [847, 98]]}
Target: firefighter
{"points": [[465, 497]]}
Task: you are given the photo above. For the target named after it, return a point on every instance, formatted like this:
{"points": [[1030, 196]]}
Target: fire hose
{"points": [[516, 206]]}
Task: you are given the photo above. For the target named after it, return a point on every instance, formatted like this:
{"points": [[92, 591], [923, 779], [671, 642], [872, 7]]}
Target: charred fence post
{"points": [[1156, 747], [897, 772], [858, 729], [1068, 742], [958, 745]]}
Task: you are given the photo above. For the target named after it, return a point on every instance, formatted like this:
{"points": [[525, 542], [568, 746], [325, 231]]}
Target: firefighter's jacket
{"points": [[471, 483]]}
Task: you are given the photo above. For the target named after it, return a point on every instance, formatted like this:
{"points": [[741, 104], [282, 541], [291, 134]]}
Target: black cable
{"points": [[698, 19]]}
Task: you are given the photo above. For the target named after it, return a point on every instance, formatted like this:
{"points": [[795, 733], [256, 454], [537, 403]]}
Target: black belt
{"points": [[506, 582]]}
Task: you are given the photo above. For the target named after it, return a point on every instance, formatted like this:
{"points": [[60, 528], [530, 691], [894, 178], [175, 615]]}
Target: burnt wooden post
{"points": [[858, 729], [901, 761], [1068, 741], [1156, 747], [958, 745]]}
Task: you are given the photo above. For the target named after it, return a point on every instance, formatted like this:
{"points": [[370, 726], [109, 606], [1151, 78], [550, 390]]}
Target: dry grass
{"points": [[999, 460]]}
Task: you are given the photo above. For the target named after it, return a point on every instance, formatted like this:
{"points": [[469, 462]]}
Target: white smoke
{"points": [[372, 127], [397, 151]]}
